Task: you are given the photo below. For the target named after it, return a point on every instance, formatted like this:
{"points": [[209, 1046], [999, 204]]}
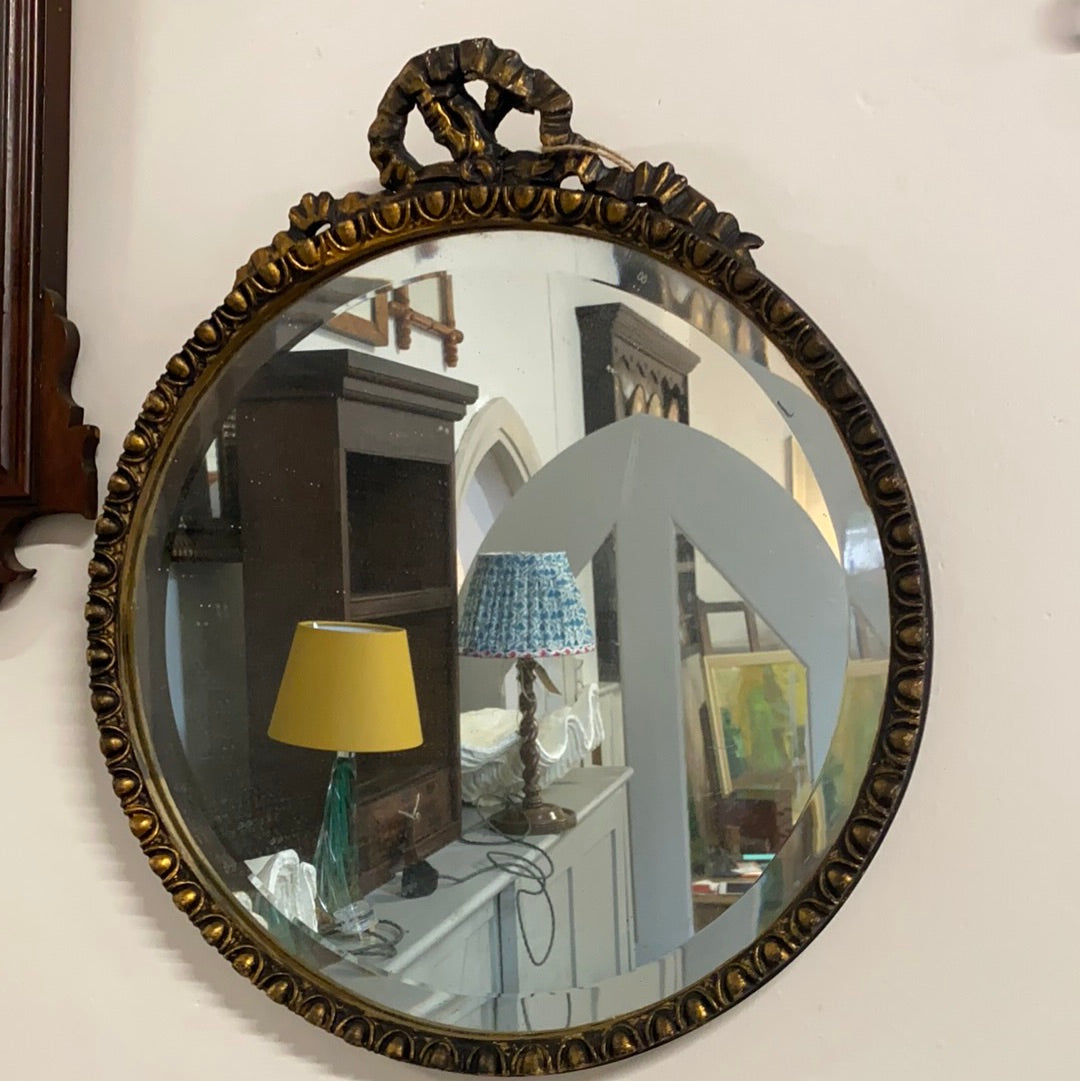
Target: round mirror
{"points": [[523, 628]]}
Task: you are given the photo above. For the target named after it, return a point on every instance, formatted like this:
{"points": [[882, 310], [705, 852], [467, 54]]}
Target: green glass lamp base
{"points": [[336, 850]]}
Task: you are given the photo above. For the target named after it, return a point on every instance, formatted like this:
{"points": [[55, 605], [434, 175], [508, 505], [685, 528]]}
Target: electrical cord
{"points": [[519, 866], [387, 934], [528, 1020]]}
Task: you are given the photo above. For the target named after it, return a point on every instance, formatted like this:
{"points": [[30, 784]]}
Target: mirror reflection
{"points": [[512, 630]]}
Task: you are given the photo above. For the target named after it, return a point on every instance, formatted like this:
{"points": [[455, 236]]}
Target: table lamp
{"points": [[525, 605], [347, 687]]}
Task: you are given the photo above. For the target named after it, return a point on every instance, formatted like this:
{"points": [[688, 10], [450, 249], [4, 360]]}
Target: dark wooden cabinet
{"points": [[630, 366], [344, 482], [46, 451]]}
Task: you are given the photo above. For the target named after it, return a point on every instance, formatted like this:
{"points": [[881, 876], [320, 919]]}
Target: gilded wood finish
{"points": [[649, 209]]}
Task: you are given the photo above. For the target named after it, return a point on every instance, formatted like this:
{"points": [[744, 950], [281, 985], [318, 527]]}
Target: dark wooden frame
{"points": [[46, 452]]}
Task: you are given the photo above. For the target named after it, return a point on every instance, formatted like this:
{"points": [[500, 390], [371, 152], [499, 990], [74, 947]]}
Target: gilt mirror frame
{"points": [[567, 186]]}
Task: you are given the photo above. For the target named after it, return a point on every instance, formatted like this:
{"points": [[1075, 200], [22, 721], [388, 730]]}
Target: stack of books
{"points": [[743, 875]]}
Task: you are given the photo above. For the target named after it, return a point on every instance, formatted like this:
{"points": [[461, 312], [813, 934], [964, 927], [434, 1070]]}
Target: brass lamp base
{"points": [[545, 818]]}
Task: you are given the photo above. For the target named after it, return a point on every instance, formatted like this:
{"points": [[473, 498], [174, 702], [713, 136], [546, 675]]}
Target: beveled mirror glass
{"points": [[509, 625]]}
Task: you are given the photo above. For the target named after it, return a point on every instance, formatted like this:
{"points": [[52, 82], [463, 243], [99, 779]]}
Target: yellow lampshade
{"points": [[347, 687]]}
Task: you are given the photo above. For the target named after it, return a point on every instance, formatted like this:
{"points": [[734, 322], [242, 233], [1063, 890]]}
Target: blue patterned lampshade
{"points": [[524, 604]]}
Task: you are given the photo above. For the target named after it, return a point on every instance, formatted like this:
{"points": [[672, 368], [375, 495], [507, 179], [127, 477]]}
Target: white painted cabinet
{"points": [[465, 954]]}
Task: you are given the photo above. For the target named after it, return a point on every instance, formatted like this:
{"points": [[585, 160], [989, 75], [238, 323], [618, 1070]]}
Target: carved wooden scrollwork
{"points": [[46, 452], [647, 209]]}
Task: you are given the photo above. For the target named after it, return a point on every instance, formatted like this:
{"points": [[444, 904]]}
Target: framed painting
{"points": [[758, 708]]}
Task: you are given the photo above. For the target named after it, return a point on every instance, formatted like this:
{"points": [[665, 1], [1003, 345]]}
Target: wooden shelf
{"points": [[215, 542], [366, 606]]}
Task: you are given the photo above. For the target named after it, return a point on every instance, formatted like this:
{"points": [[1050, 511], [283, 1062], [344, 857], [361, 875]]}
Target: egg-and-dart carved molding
{"points": [[328, 235]]}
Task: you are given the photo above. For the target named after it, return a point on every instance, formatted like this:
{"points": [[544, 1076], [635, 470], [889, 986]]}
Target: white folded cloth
{"points": [[490, 762]]}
